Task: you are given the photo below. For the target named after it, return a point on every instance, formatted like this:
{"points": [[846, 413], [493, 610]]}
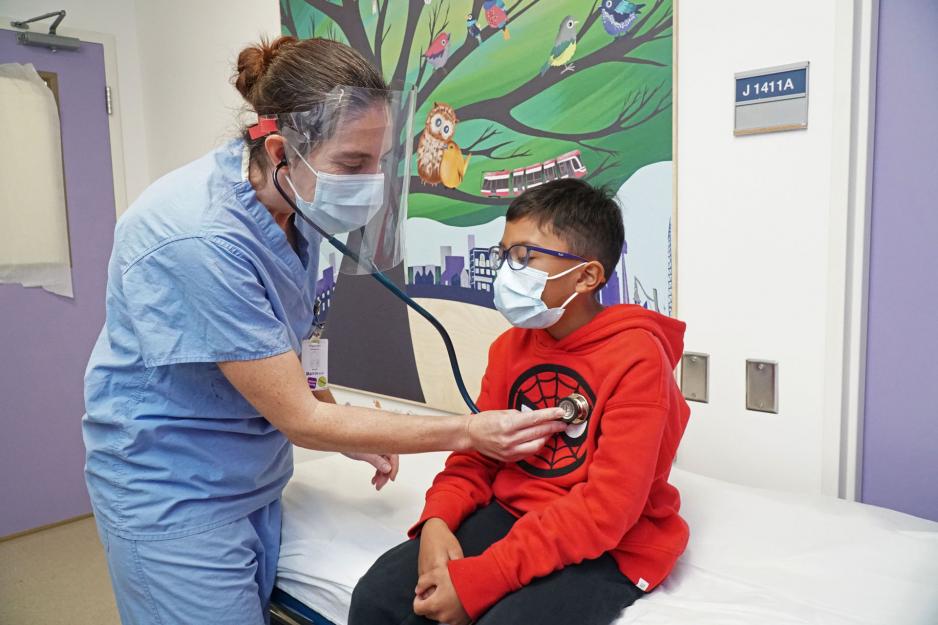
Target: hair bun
{"points": [[254, 61]]}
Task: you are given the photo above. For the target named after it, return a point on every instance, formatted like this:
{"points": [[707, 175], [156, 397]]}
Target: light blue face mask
{"points": [[341, 203], [518, 297]]}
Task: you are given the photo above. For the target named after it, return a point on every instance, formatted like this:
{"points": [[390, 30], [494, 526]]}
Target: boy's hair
{"points": [[587, 218]]}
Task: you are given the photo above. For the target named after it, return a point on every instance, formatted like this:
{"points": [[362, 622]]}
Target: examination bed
{"points": [[755, 556]]}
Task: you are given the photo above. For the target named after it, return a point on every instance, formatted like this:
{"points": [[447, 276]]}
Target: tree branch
{"points": [[476, 7], [489, 152], [288, 20], [634, 104], [349, 20], [596, 148], [414, 9], [420, 71], [434, 26], [513, 15], [659, 108], [589, 21], [603, 167], [418, 186], [616, 51], [434, 32], [468, 46], [380, 35], [637, 61], [487, 134]]}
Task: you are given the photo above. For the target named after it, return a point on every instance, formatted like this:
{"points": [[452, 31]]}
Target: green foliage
{"points": [[582, 101]]}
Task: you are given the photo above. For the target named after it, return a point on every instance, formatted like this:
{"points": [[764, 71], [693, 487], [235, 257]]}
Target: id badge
{"points": [[315, 359]]}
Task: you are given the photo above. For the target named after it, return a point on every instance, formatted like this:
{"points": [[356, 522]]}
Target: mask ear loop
{"points": [[302, 158], [569, 299], [563, 273]]}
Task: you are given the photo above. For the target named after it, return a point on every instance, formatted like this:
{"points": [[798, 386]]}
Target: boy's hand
{"points": [[438, 545], [437, 599], [386, 466], [510, 435]]}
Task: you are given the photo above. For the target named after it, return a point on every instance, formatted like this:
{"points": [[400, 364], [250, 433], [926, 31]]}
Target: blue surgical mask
{"points": [[518, 297], [341, 203]]}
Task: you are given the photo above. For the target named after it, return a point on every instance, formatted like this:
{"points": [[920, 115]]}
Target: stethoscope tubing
{"points": [[393, 288]]}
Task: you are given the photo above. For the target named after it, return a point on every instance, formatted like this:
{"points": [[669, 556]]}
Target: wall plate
{"points": [[762, 386], [695, 377], [773, 99]]}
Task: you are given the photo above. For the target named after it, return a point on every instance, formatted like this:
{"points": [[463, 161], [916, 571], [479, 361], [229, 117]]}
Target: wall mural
{"points": [[509, 94]]}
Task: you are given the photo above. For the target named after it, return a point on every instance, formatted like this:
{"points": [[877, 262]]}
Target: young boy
{"points": [[583, 528]]}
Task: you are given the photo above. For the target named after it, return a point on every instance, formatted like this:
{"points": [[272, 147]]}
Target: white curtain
{"points": [[34, 247]]}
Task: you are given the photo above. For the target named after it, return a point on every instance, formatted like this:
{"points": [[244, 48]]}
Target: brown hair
{"points": [[286, 75]]}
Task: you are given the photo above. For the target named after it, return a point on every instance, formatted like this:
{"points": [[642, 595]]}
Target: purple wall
{"points": [[45, 339], [900, 447]]}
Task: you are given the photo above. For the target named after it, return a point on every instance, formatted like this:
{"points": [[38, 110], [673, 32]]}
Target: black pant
{"points": [[590, 593]]}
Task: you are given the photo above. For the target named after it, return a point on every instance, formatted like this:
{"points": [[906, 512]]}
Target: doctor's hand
{"points": [[437, 599], [510, 435], [438, 545], [386, 466]]}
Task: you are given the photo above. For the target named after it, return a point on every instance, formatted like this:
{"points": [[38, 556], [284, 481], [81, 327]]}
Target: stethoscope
{"points": [[576, 408]]}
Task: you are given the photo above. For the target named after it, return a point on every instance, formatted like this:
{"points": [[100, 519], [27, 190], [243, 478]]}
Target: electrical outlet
{"points": [[762, 386], [695, 377]]}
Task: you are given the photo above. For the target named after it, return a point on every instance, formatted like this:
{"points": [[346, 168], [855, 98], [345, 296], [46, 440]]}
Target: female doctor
{"points": [[194, 391]]}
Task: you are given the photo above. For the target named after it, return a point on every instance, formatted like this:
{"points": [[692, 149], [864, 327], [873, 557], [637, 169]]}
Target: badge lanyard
{"points": [[315, 354]]}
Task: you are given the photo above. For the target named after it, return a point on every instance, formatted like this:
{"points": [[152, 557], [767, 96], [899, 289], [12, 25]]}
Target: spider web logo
{"points": [[543, 386]]}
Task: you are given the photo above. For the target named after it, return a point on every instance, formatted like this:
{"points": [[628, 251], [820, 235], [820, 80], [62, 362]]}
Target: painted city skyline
{"points": [[471, 280]]}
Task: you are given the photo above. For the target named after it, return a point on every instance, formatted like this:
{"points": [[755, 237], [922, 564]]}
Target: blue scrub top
{"points": [[200, 273]]}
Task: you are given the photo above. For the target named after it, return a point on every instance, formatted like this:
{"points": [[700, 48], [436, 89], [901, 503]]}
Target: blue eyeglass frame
{"points": [[496, 251]]}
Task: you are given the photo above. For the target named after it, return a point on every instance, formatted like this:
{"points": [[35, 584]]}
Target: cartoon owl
{"points": [[436, 135]]}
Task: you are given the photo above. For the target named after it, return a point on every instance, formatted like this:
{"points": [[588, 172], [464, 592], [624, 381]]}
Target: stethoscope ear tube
{"points": [[393, 288]]}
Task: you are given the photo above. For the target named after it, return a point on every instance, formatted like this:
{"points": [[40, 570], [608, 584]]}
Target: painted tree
{"points": [[510, 114], [610, 99]]}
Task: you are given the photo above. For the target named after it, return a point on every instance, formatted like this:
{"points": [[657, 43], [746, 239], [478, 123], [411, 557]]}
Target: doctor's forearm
{"points": [[277, 388], [353, 429]]}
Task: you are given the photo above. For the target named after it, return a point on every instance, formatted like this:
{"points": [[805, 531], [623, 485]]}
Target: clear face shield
{"points": [[349, 171]]}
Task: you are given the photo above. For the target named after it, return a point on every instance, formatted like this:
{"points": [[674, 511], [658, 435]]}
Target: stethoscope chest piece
{"points": [[576, 409]]}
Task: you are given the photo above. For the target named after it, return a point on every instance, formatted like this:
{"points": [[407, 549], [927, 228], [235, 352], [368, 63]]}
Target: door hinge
{"points": [[108, 101]]}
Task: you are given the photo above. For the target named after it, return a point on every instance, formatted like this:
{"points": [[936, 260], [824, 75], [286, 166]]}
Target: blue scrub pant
{"points": [[222, 575]]}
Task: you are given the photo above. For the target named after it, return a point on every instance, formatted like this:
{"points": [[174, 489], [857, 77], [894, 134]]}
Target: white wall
{"points": [[174, 62], [187, 54], [756, 274]]}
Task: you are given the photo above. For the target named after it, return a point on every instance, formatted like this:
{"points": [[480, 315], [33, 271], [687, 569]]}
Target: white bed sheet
{"points": [[755, 556]]}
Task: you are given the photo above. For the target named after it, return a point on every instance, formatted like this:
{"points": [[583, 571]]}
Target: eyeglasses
{"points": [[519, 255]]}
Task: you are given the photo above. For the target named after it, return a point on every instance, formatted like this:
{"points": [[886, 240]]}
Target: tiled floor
{"points": [[56, 576]]}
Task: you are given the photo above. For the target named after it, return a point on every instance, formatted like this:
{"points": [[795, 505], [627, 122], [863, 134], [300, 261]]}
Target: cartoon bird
{"points": [[618, 16], [454, 166], [472, 28], [436, 135], [564, 47], [495, 15], [438, 52]]}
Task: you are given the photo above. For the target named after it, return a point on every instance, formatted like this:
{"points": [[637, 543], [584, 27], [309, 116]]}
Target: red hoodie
{"points": [[599, 487]]}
